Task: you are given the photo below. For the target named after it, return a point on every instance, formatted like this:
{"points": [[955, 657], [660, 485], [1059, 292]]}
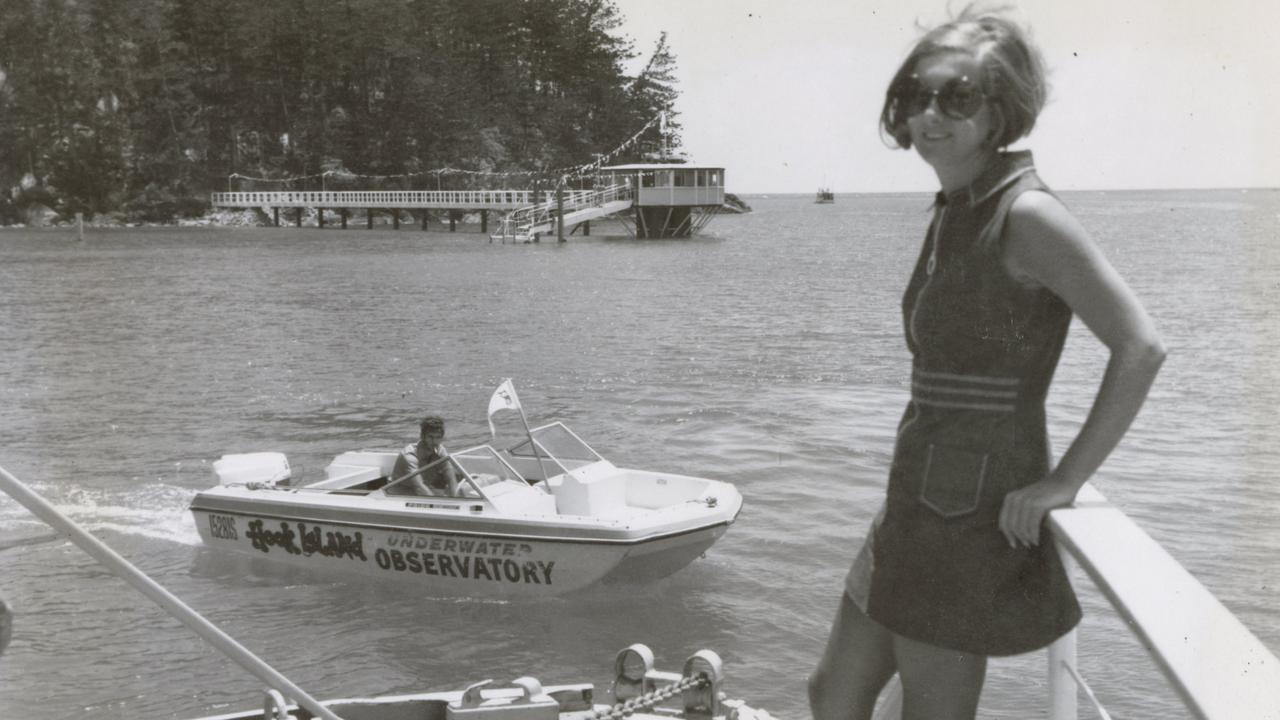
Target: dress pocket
{"points": [[953, 479]]}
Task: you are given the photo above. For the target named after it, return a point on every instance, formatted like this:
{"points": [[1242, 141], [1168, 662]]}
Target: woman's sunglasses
{"points": [[959, 98]]}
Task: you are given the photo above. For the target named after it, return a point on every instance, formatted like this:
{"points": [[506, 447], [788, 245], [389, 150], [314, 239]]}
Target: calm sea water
{"points": [[767, 352]]}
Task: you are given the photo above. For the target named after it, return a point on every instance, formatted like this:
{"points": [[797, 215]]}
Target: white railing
{"points": [[526, 220], [1218, 668], [1215, 664], [439, 199]]}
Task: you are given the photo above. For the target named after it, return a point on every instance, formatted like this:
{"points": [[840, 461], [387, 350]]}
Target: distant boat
{"points": [[825, 196]]}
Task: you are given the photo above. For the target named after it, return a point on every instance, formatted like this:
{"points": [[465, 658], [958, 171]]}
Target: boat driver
{"points": [[437, 480]]}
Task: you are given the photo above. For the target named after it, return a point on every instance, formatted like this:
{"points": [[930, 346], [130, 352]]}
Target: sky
{"points": [[786, 94]]}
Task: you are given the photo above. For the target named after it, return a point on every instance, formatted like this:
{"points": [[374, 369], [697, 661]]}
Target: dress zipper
{"points": [[929, 267]]}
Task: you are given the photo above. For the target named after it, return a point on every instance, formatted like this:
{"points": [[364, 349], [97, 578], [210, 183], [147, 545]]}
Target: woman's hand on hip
{"points": [[1024, 510]]}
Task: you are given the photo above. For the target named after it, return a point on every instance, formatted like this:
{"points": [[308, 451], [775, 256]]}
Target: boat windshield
{"points": [[475, 468], [484, 466], [558, 443]]}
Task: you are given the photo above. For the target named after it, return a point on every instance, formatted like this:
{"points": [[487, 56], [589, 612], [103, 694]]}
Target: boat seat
{"points": [[596, 490], [362, 469]]}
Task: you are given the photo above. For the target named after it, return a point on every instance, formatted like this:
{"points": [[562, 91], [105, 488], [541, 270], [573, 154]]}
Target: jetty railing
{"points": [[542, 216], [390, 199], [1218, 668]]}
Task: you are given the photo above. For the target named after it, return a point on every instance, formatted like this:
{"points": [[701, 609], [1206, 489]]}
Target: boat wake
{"points": [[154, 512]]}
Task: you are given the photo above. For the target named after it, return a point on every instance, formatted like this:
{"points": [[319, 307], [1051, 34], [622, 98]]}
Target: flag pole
{"points": [[532, 444], [153, 590], [507, 403]]}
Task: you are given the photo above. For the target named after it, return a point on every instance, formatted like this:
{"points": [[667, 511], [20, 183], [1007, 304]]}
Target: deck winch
{"points": [[637, 687], [636, 680]]}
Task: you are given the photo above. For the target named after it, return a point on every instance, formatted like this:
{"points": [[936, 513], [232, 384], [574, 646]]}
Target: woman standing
{"points": [[957, 566]]}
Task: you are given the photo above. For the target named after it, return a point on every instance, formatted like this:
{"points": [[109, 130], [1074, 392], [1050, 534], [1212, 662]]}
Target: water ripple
{"points": [[768, 354]]}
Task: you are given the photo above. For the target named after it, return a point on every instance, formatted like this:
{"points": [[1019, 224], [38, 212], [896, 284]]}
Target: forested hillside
{"points": [[142, 107]]}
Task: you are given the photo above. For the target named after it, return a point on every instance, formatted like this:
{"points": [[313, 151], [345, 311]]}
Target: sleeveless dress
{"points": [[935, 567]]}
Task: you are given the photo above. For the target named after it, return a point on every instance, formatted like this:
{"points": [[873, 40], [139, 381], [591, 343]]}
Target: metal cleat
{"points": [[531, 703]]}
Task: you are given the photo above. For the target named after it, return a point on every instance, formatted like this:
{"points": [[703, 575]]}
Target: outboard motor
{"points": [[268, 468]]}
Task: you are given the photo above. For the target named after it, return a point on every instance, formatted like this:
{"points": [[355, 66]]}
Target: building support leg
{"points": [[560, 213], [395, 218]]}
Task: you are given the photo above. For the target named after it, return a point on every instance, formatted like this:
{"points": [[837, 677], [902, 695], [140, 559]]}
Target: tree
{"points": [[653, 91], [138, 104]]}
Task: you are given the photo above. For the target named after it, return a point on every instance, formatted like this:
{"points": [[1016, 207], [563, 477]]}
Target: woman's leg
{"points": [[854, 668], [938, 684]]}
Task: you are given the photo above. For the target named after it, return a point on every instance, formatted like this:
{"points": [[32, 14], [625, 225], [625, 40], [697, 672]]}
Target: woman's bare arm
{"points": [[1047, 246]]}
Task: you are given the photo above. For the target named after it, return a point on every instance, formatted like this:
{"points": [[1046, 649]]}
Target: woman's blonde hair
{"points": [[1013, 73]]}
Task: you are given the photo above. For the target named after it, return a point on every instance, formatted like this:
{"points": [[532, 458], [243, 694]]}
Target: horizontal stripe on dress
{"points": [[964, 392]]}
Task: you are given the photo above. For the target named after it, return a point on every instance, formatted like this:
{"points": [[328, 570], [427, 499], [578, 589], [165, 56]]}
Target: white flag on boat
{"points": [[504, 398]]}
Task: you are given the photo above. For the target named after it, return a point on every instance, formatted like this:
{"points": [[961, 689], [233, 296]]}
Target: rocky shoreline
{"points": [[228, 218], [734, 204]]}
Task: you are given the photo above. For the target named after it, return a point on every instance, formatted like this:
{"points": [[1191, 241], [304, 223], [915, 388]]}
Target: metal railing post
{"points": [[1062, 661]]}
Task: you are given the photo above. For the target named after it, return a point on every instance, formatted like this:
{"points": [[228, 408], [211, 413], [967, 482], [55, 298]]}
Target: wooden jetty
{"points": [[450, 202], [652, 200]]}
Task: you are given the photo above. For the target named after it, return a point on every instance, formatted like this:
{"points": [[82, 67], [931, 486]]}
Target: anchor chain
{"points": [[648, 700]]}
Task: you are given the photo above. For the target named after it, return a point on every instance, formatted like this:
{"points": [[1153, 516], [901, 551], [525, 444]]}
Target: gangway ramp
{"points": [[571, 209], [578, 217]]}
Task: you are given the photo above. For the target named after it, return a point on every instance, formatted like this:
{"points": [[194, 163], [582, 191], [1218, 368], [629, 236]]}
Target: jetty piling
{"points": [[560, 212]]}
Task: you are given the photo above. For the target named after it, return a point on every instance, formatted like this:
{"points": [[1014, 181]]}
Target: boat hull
{"points": [[454, 562], [661, 557]]}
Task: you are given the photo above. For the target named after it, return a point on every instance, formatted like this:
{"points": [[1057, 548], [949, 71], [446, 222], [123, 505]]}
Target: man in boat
{"points": [[438, 479]]}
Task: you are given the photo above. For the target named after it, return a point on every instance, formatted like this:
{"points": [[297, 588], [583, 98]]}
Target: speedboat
{"points": [[546, 516]]}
